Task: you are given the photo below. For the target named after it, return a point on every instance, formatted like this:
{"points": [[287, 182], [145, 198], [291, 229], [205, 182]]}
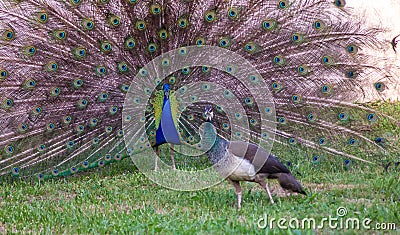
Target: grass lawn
{"points": [[119, 199]]}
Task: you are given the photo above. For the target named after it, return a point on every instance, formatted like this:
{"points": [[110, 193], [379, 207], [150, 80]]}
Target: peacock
{"points": [[163, 113], [240, 161], [87, 83]]}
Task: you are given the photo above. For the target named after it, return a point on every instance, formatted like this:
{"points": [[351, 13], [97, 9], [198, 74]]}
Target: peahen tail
{"points": [[68, 67]]}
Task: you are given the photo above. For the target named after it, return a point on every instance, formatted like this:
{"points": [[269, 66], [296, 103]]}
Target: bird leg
{"points": [[172, 153], [156, 159], [264, 184], [238, 190]]}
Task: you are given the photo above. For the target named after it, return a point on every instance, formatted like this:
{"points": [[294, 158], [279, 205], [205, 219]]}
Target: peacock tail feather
{"points": [[77, 90]]}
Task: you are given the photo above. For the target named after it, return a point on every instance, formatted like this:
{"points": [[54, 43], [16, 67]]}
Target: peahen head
{"points": [[208, 113]]}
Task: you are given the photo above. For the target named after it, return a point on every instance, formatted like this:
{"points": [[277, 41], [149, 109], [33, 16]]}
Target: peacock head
{"points": [[166, 89], [209, 114]]}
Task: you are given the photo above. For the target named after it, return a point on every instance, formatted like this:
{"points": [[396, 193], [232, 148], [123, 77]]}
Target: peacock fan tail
{"points": [[81, 81]]}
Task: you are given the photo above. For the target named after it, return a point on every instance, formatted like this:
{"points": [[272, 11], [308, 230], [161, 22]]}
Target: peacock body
{"points": [[77, 90]]}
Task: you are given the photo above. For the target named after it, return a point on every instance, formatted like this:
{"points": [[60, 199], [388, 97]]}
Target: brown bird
{"points": [[241, 161]]}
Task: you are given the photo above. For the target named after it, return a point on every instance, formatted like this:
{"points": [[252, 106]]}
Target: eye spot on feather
{"points": [[101, 70], [108, 130], [113, 110], [37, 110], [283, 4], [250, 47], [50, 127], [130, 43], [233, 13], [200, 41], [340, 3], [60, 34], [7, 103], [140, 25], [327, 60], [22, 128], [41, 148], [152, 47], [372, 117], [114, 21], [269, 24], [75, 2], [279, 60], [42, 17], [132, 2], [276, 86], [70, 145], [106, 47], [379, 86], [8, 34], [296, 99], [15, 171], [292, 141], [311, 117], [122, 67], [79, 129], [319, 25], [77, 83], [82, 104], [326, 89], [254, 78], [297, 38], [87, 24], [322, 141], [352, 142], [3, 74], [352, 49], [303, 70], [67, 120], [185, 70], [316, 159], [183, 22], [182, 51], [205, 69], [343, 117], [351, 74], [155, 9], [224, 42], [29, 50], [210, 16], [163, 34]]}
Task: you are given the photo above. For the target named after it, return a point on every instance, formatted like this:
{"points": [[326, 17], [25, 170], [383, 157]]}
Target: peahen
{"points": [[240, 161], [80, 81]]}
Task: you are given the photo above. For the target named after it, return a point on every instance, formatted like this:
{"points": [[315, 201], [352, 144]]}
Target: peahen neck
{"points": [[214, 145]]}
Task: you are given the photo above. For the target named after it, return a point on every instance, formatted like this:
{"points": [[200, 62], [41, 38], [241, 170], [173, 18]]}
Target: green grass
{"points": [[119, 199]]}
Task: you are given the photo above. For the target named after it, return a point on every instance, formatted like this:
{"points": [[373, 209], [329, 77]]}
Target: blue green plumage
{"points": [[166, 132], [66, 68]]}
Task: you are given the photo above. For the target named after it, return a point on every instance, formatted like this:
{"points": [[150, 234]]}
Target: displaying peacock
{"points": [[84, 83], [164, 113]]}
